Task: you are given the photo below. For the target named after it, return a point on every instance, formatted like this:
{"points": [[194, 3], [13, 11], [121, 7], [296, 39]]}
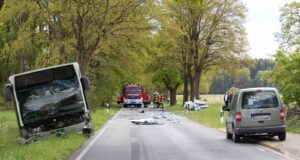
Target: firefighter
{"points": [[162, 100], [158, 100], [154, 98]]}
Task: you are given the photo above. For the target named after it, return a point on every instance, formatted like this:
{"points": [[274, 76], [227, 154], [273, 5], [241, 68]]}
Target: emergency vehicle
{"points": [[134, 95]]}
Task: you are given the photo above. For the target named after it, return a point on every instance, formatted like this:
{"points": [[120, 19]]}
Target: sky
{"points": [[262, 23]]}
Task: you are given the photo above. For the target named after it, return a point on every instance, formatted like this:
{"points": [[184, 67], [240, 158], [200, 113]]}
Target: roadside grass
{"points": [[208, 98], [209, 116], [293, 123], [51, 148]]}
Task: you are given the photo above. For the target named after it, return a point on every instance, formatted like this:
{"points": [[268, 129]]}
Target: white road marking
{"points": [[261, 149], [86, 149], [288, 157]]}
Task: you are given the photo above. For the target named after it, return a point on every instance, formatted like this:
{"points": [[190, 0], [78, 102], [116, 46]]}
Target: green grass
{"points": [[209, 117], [52, 148], [293, 123]]}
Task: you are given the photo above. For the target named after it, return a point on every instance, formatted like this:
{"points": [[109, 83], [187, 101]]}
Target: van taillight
{"points": [[282, 115], [238, 117]]}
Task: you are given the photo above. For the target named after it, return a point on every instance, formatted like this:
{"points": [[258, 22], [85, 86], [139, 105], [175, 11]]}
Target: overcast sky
{"points": [[262, 23]]}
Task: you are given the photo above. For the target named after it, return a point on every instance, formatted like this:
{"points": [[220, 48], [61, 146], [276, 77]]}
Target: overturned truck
{"points": [[50, 101]]}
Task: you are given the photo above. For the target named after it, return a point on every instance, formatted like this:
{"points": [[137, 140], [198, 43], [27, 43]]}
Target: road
{"points": [[174, 138]]}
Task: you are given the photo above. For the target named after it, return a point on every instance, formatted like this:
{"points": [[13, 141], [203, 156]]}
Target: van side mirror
{"points": [[8, 92], [85, 82], [225, 108]]}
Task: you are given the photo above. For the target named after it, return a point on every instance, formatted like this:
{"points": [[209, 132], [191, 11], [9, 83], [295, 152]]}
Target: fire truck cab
{"points": [[134, 95]]}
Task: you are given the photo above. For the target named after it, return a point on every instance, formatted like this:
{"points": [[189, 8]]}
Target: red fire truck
{"points": [[134, 95]]}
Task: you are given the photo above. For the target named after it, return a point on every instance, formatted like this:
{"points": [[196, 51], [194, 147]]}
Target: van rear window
{"points": [[262, 99]]}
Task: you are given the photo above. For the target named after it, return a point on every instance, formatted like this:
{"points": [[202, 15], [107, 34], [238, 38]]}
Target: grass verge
{"points": [[293, 123], [52, 148], [209, 116]]}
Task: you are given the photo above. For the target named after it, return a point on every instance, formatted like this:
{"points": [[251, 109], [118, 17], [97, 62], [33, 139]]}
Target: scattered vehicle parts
{"points": [[146, 121], [196, 105], [50, 101]]}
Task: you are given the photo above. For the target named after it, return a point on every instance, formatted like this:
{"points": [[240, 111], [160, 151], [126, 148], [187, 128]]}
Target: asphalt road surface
{"points": [[173, 138]]}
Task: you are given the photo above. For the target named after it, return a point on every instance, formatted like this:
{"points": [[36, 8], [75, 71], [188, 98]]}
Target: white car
{"points": [[196, 105]]}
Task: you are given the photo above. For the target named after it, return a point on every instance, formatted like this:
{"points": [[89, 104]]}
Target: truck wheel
{"points": [[124, 105], [282, 136], [145, 105]]}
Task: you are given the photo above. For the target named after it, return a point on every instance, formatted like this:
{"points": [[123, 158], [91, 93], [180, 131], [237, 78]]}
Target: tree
{"points": [[243, 79], [286, 75], [164, 65], [1, 3], [104, 36], [93, 23], [286, 71], [289, 37], [171, 79], [213, 34]]}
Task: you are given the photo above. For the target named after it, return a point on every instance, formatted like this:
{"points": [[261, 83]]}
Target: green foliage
{"points": [[243, 78], [233, 90], [286, 74], [109, 39], [169, 76], [289, 37], [252, 75]]}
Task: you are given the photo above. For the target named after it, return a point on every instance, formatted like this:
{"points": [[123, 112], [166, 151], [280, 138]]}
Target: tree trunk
{"points": [[198, 73], [21, 62], [185, 89], [1, 4], [173, 96], [61, 38], [192, 82]]}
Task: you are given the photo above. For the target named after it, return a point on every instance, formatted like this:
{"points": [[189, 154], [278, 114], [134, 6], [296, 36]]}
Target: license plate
{"points": [[261, 117]]}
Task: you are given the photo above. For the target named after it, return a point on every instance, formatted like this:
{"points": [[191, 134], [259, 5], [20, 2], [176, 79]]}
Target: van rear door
{"points": [[260, 108]]}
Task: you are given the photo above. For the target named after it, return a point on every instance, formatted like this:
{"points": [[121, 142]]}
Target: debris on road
{"points": [[147, 121]]}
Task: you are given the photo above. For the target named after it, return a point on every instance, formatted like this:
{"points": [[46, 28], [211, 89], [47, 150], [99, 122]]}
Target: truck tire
{"points": [[125, 106], [145, 105]]}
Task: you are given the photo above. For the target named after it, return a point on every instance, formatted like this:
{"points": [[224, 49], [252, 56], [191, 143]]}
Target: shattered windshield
{"points": [[49, 94]]}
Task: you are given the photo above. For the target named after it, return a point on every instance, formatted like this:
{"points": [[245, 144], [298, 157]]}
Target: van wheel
{"points": [[228, 135], [282, 136], [236, 138]]}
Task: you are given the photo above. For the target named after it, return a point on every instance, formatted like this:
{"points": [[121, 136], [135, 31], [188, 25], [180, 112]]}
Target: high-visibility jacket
{"points": [[158, 98]]}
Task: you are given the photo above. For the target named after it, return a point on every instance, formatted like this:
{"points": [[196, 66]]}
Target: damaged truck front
{"points": [[50, 101]]}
